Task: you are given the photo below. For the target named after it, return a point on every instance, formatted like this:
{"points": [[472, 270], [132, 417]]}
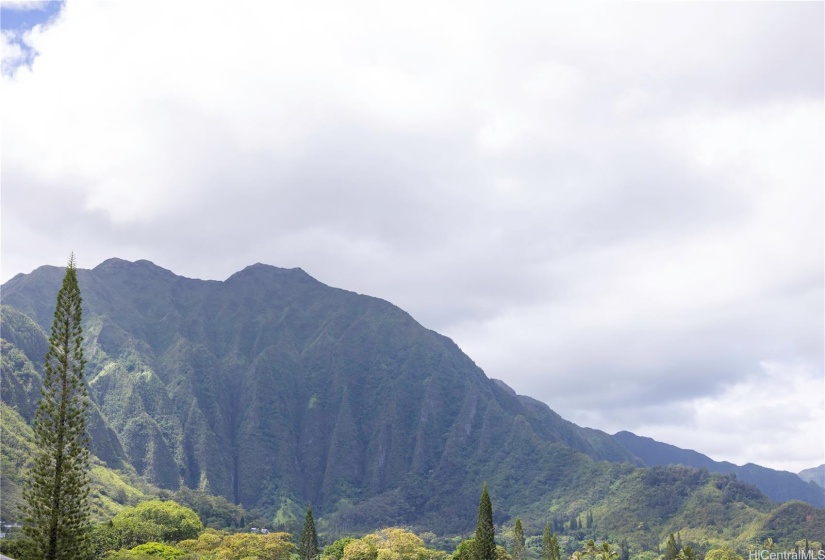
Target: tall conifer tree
{"points": [[485, 530], [546, 543], [56, 493], [518, 540], [625, 555], [309, 538], [555, 551], [671, 548]]}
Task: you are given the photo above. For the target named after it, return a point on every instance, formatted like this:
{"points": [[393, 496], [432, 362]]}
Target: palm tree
{"points": [[589, 548], [606, 552]]}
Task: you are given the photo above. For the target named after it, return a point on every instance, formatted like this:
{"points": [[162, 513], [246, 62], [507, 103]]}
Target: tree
{"points": [[555, 550], [686, 553], [309, 538], [625, 555], [546, 543], [360, 549], [724, 553], [671, 548], [518, 541], [589, 549], [172, 521], [272, 546], [466, 550], [400, 542], [485, 530], [336, 549], [159, 550], [56, 494], [549, 545], [606, 552]]}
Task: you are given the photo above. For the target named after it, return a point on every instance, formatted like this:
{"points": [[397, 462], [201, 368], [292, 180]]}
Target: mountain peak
{"points": [[115, 264], [259, 270]]}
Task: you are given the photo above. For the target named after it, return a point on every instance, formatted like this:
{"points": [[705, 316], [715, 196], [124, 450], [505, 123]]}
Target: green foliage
{"points": [[502, 554], [792, 522], [175, 522], [309, 538], [687, 553], [518, 541], [485, 544], [625, 553], [671, 548], [149, 521], [547, 543], [466, 550], [360, 549], [394, 543], [110, 490], [159, 550], [123, 534], [15, 459], [723, 553], [208, 541], [215, 511], [272, 546], [56, 493], [14, 548], [127, 555], [606, 552], [336, 549]]}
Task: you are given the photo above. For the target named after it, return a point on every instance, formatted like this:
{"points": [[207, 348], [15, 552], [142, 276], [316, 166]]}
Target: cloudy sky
{"points": [[615, 208]]}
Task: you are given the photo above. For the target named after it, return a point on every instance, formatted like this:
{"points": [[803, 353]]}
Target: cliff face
{"points": [[271, 388]]}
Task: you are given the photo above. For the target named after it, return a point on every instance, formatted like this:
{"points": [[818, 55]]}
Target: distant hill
{"points": [[779, 486], [274, 390], [815, 474]]}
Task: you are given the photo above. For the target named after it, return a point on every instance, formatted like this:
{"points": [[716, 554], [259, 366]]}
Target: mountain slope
{"points": [[815, 474], [273, 390], [780, 486], [110, 490], [272, 385]]}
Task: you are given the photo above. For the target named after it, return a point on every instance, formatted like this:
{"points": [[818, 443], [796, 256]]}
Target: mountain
{"points": [[271, 387], [816, 474], [274, 390], [779, 486]]}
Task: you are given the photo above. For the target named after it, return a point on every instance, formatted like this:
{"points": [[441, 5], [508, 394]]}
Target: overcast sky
{"points": [[614, 208]]}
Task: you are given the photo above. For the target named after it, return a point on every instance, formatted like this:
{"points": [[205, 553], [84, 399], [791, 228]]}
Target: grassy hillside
{"points": [[111, 490]]}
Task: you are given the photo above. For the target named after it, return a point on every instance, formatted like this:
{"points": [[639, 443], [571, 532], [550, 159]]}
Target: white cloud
{"points": [[780, 404], [570, 192], [12, 53]]}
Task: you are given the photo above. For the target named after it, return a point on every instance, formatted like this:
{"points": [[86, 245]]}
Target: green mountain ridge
{"points": [[274, 390], [780, 486]]}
